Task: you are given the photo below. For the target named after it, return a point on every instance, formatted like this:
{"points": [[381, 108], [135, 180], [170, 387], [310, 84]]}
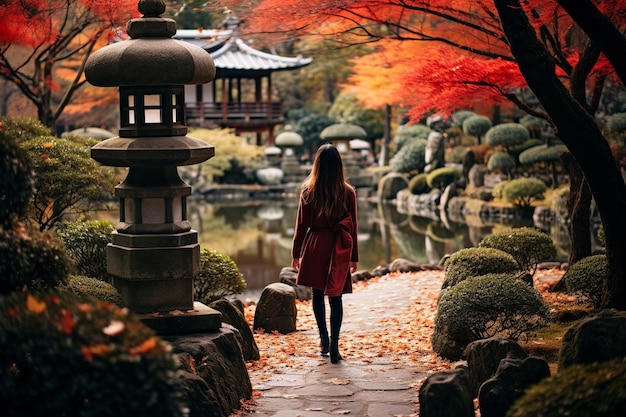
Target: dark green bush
{"points": [[410, 157], [93, 287], [473, 262], [527, 245], [23, 129], [476, 125], [65, 177], [597, 390], [507, 135], [86, 242], [16, 186], [418, 184], [407, 134], [501, 161], [61, 355], [218, 277], [488, 305], [587, 277], [442, 177], [522, 192], [33, 259]]}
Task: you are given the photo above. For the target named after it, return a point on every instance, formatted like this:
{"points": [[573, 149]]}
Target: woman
{"points": [[325, 249]]}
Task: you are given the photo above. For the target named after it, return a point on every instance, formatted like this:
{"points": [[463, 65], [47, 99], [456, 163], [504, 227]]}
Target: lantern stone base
{"points": [[198, 320]]}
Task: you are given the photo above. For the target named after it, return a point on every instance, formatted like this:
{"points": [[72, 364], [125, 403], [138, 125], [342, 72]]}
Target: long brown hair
{"points": [[326, 187]]}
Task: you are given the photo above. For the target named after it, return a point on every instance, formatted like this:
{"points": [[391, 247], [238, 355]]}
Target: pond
{"points": [[257, 235]]}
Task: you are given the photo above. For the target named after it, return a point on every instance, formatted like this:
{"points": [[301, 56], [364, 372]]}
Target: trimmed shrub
{"points": [[587, 277], [527, 245], [596, 390], [501, 161], [442, 177], [498, 190], [32, 259], [507, 135], [86, 243], [522, 192], [418, 184], [408, 134], [22, 129], [476, 125], [616, 123], [16, 186], [92, 287], [218, 277], [472, 262], [62, 355], [410, 157], [486, 306], [542, 153], [459, 116]]}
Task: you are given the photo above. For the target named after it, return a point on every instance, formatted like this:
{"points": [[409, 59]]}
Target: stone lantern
{"points": [[154, 254], [288, 139], [340, 135]]}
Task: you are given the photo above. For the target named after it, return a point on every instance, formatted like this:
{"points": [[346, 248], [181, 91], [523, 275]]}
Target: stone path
{"points": [[376, 387]]}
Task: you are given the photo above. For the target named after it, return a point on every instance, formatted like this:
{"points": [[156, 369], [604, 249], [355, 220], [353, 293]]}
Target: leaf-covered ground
{"points": [[395, 323]]}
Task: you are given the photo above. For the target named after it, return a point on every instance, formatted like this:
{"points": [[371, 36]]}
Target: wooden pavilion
{"points": [[241, 95]]}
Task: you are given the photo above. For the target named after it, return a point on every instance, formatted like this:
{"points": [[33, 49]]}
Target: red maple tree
{"points": [[479, 49], [44, 46]]}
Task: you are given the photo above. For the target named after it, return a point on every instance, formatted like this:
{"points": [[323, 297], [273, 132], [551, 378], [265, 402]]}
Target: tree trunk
{"points": [[581, 135], [579, 210]]}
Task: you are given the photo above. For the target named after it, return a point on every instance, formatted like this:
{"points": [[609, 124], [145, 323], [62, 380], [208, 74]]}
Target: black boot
{"points": [[334, 351], [324, 343]]}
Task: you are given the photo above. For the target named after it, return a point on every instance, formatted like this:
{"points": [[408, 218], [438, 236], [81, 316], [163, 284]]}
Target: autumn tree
{"points": [[478, 51], [45, 43]]}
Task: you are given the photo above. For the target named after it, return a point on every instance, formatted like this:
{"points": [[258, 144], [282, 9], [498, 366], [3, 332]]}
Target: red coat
{"points": [[326, 246]]}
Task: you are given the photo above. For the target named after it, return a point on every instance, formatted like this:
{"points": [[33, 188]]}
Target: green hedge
{"points": [[527, 245], [218, 277], [86, 242], [16, 186], [410, 157], [32, 259], [472, 262], [418, 184], [587, 277], [93, 287], [597, 390], [522, 192], [485, 306], [62, 355], [442, 177]]}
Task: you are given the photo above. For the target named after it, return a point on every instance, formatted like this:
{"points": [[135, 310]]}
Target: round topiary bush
{"points": [[86, 243], [587, 277], [501, 161], [442, 177], [485, 306], [476, 125], [527, 245], [93, 287], [218, 277], [16, 186], [498, 189], [472, 262], [522, 192], [32, 259], [410, 157], [507, 135], [418, 184], [597, 390], [62, 355]]}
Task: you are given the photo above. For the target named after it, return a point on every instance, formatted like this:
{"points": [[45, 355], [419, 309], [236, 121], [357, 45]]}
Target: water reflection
{"points": [[258, 235]]}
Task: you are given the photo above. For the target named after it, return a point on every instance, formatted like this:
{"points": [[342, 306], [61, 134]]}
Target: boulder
{"points": [[446, 394], [215, 376], [476, 176], [404, 265], [598, 337], [484, 356], [390, 185], [276, 309], [233, 316], [513, 377], [289, 276]]}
